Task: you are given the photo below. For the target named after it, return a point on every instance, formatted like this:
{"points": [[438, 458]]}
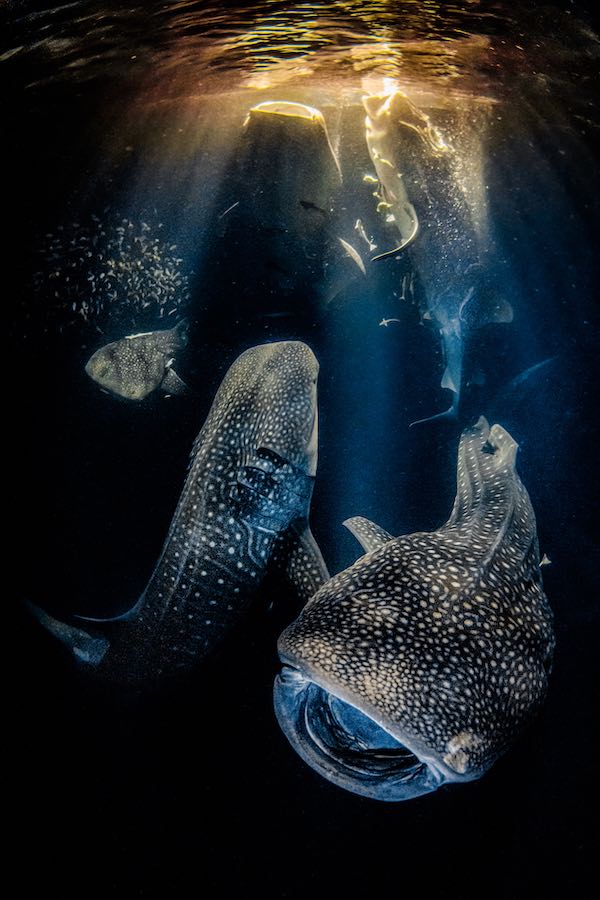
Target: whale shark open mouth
{"points": [[346, 746]]}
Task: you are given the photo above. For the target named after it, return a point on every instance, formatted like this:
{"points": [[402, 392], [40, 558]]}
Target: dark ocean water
{"points": [[128, 116]]}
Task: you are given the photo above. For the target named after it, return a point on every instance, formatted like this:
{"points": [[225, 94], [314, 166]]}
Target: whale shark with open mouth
{"points": [[421, 663], [246, 499]]}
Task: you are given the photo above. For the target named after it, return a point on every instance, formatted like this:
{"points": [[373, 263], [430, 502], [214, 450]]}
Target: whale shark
{"points": [[432, 194], [287, 178], [286, 182], [246, 498], [386, 115], [138, 364], [422, 662]]}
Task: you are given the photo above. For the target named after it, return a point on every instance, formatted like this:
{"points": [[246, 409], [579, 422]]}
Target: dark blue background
{"points": [[196, 792]]}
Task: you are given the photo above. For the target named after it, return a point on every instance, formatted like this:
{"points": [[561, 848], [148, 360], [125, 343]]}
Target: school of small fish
{"points": [[108, 272]]}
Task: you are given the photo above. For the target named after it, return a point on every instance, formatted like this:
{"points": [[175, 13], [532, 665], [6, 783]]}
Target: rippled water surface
{"points": [[197, 47]]}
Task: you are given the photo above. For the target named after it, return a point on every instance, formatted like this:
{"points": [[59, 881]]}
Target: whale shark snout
{"points": [[288, 381]]}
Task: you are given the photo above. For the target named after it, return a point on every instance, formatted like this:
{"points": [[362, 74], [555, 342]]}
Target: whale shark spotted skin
{"points": [[422, 662], [247, 494]]}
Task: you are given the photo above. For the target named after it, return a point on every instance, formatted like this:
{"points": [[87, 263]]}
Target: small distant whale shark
{"points": [[422, 662], [246, 497], [433, 195], [137, 365], [385, 115]]}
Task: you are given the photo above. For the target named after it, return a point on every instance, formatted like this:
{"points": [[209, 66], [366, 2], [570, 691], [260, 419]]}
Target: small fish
{"points": [[404, 283], [360, 228], [307, 204], [386, 322], [138, 364], [229, 209], [424, 661], [353, 254], [283, 314]]}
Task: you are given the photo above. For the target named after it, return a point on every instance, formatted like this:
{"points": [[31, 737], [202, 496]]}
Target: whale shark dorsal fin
{"points": [[369, 535], [126, 616]]}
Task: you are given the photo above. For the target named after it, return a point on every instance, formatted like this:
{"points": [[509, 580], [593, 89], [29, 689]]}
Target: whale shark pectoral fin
{"points": [[122, 617], [411, 213], [173, 384], [512, 391], [301, 561], [369, 535], [86, 648], [484, 306]]}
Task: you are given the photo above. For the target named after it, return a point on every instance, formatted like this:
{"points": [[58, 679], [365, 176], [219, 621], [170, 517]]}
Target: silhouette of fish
{"points": [[422, 662], [247, 495]]}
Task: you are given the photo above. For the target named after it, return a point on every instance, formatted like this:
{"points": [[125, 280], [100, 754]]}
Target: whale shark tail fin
{"points": [[448, 415], [85, 647]]}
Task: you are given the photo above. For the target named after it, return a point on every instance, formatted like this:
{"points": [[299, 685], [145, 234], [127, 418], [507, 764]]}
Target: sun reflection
{"points": [[385, 40], [189, 46]]}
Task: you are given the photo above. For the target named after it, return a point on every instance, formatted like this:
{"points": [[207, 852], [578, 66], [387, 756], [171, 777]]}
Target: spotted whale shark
{"points": [[432, 193], [422, 662], [245, 499], [139, 364]]}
